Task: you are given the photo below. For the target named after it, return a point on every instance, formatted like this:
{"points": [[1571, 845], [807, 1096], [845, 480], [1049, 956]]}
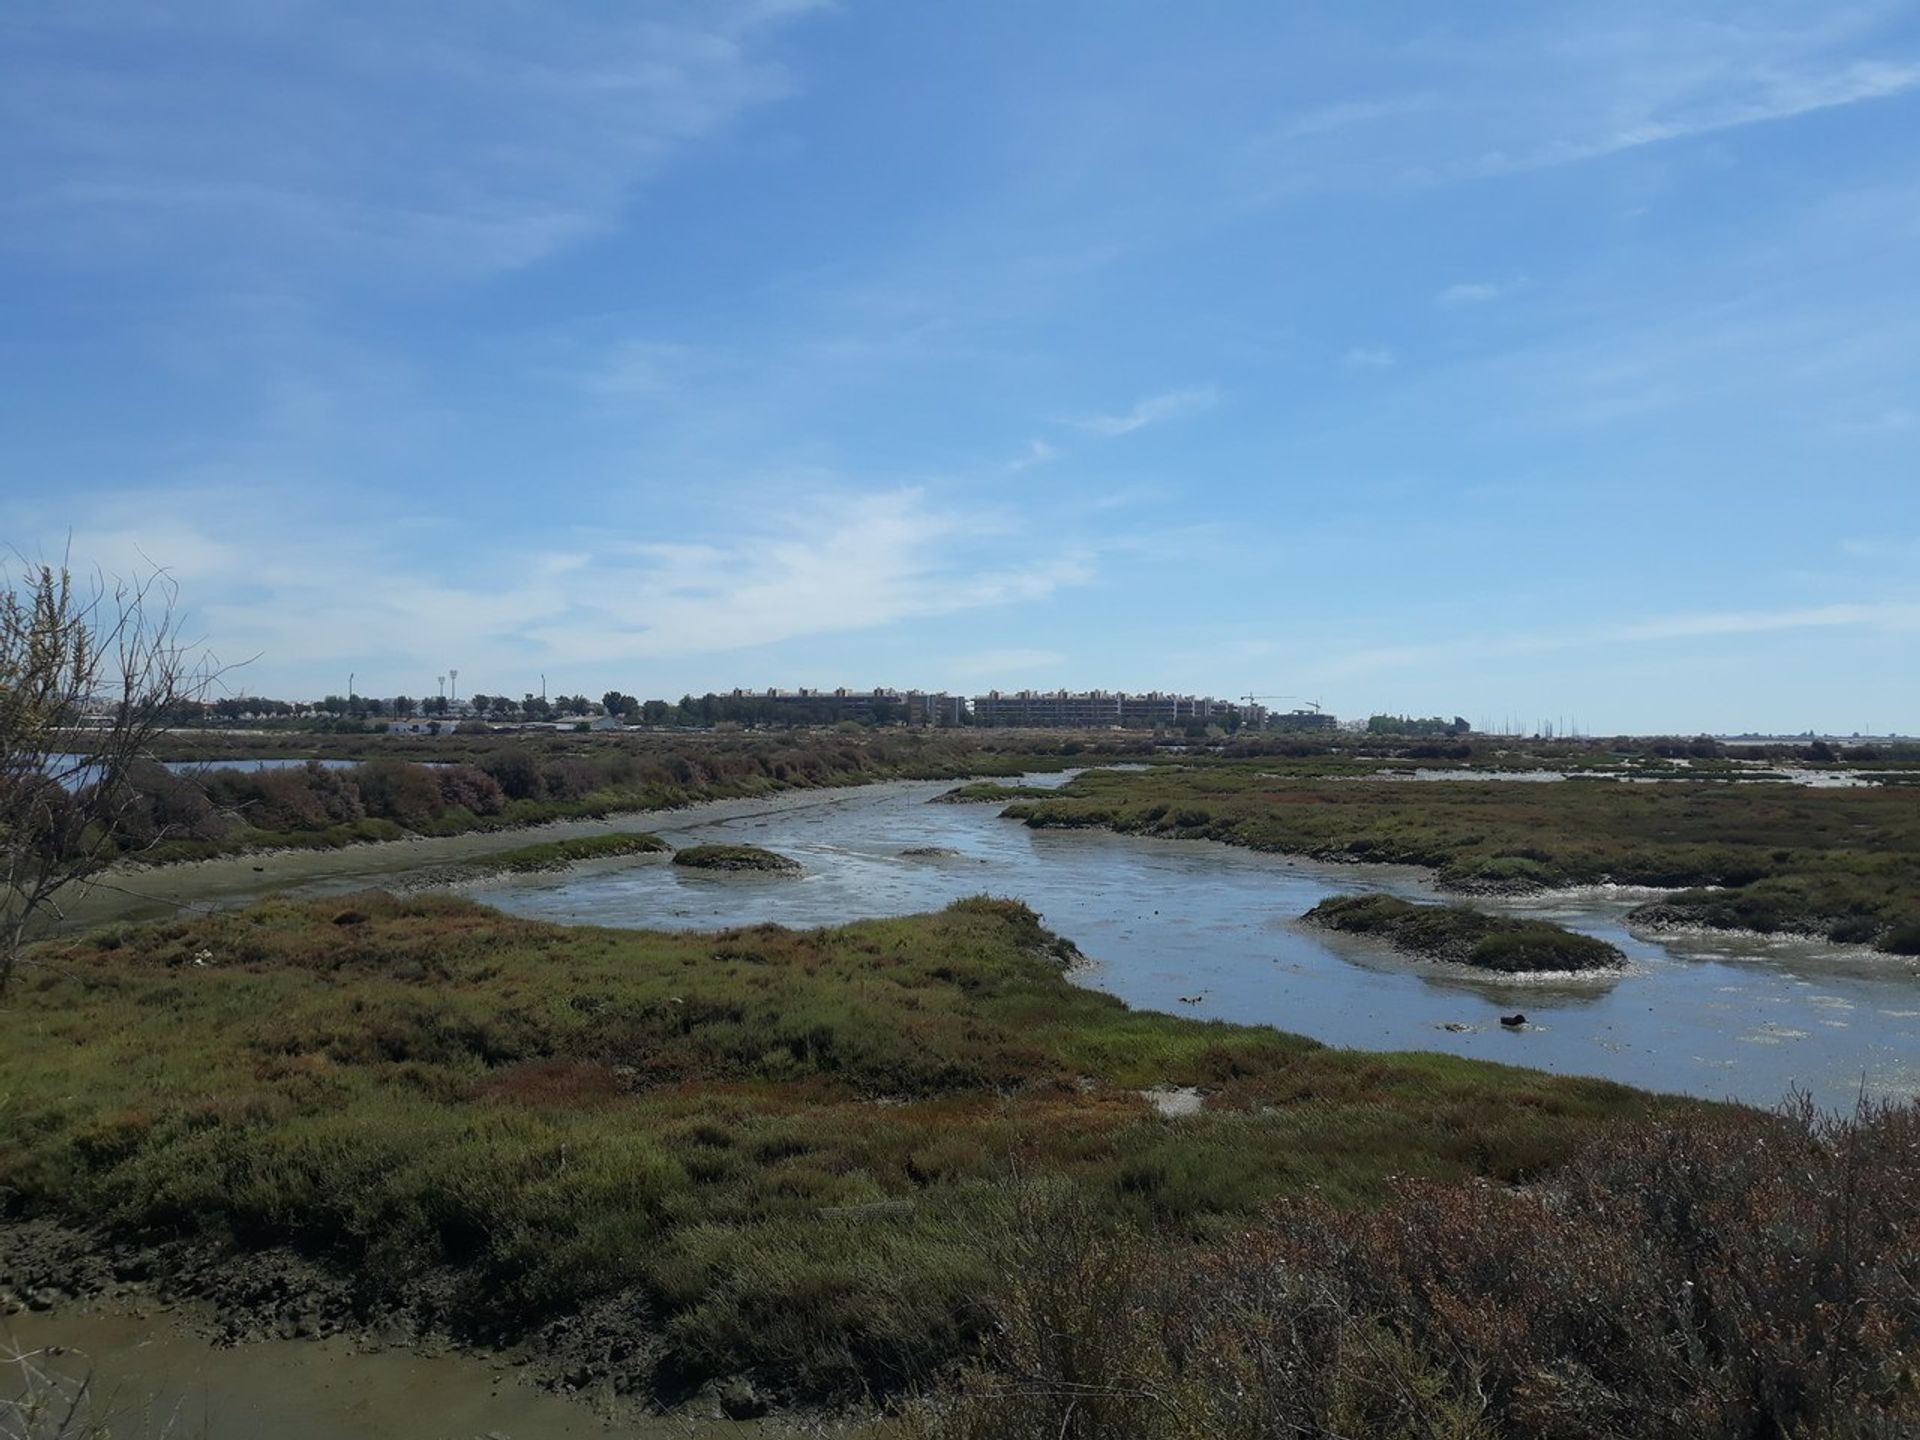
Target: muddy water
{"points": [[152, 1378], [1203, 929]]}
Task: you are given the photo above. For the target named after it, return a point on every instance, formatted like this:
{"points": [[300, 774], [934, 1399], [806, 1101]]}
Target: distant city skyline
{"points": [[1489, 360]]}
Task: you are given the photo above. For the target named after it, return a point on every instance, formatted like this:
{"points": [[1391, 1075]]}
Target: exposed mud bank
{"points": [[97, 1298]]}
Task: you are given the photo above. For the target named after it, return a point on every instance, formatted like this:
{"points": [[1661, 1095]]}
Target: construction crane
{"points": [[1254, 700], [1313, 705]]}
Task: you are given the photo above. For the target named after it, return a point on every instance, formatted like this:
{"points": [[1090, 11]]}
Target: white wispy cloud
{"points": [[1767, 96], [310, 598], [1038, 452], [1369, 357], [1345, 115], [1894, 420], [637, 368], [456, 138], [1015, 660], [1888, 617], [1471, 292], [1170, 405]]}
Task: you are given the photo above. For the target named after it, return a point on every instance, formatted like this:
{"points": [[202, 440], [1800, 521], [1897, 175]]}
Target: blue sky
{"points": [[1513, 361]]}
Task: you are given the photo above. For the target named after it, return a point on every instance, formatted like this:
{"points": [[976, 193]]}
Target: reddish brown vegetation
{"points": [[1740, 1276]]}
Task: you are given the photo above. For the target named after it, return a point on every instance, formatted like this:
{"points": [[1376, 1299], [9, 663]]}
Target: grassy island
{"points": [[559, 854], [1462, 936], [986, 792], [735, 857]]}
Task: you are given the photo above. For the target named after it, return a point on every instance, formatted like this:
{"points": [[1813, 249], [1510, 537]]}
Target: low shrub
{"points": [[1717, 1278]]}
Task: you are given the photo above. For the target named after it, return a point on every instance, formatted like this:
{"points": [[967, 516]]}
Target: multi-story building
{"points": [[1107, 709], [1312, 720], [884, 705]]}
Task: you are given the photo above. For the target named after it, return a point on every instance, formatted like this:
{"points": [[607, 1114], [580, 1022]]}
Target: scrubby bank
{"points": [[408, 786], [1734, 1276], [1459, 935]]}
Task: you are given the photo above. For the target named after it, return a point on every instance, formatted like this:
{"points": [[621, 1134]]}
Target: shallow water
{"points": [[152, 1377], [74, 771], [1199, 928]]}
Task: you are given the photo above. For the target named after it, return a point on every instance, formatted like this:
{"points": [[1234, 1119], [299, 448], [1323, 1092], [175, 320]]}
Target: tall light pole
{"points": [[350, 692], [453, 677]]}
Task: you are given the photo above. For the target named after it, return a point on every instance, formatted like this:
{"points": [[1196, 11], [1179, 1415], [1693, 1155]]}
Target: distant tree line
{"points": [[1421, 725]]}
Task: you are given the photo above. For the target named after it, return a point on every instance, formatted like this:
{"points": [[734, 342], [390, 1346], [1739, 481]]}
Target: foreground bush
{"points": [[1731, 1276]]}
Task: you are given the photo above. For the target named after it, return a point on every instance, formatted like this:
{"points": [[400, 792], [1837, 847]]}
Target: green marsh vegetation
{"points": [[1837, 863], [559, 854], [760, 1152], [1461, 935], [735, 857], [987, 792]]}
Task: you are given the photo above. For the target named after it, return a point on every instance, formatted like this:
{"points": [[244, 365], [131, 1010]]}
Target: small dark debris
{"points": [[349, 917], [1513, 1022]]}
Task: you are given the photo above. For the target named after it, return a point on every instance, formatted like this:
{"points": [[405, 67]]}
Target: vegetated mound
{"points": [[929, 852], [735, 857], [1787, 906], [982, 792], [559, 854], [1464, 936]]}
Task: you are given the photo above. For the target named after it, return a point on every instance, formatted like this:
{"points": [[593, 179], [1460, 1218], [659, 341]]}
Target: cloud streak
{"points": [[845, 564], [1154, 410], [1774, 98], [452, 138], [1472, 292], [1896, 617]]}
